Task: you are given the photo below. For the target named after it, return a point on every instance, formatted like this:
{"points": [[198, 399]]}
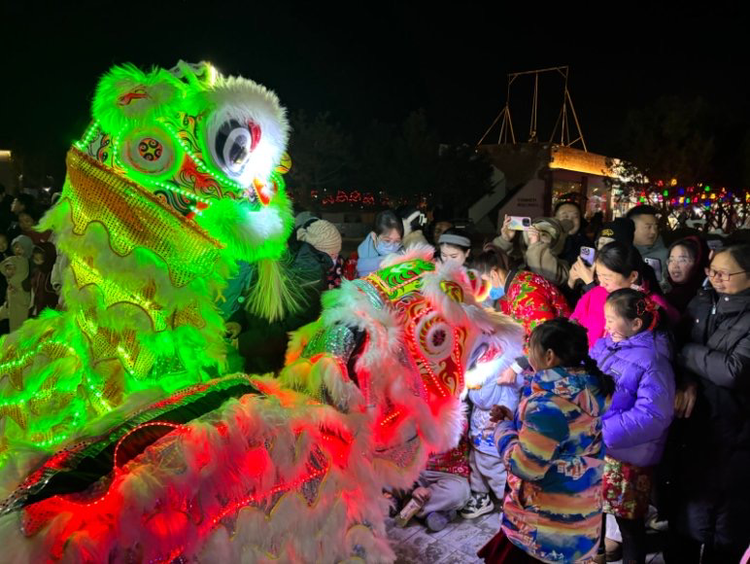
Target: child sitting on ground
{"points": [[442, 488]]}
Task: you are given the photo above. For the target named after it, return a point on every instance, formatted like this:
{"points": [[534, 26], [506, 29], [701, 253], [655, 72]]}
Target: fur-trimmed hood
{"points": [[553, 231]]}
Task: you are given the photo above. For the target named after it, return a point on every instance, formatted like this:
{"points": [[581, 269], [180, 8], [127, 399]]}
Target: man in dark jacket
{"points": [[711, 494], [263, 344]]}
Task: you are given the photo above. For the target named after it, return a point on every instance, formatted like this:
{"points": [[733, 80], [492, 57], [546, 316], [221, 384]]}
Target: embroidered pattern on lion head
{"points": [[178, 177]]}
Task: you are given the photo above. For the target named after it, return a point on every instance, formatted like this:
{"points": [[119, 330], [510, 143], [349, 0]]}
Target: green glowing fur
{"points": [[61, 372]]}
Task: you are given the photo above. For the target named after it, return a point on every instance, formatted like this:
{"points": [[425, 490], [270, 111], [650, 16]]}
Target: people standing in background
{"points": [[539, 247], [42, 261], [594, 225], [553, 451], [618, 266], [454, 246], [686, 266], [18, 295], [325, 238], [708, 515], [576, 238], [581, 278], [22, 246], [636, 352], [385, 239], [621, 229], [303, 219], [436, 229], [27, 221], [647, 238], [5, 253], [21, 203]]}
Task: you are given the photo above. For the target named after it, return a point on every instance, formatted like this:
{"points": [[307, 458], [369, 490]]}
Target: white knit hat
{"points": [[302, 218], [322, 235]]}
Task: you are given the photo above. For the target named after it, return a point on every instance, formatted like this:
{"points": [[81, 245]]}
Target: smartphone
{"points": [[656, 265], [715, 244], [587, 255], [518, 223]]}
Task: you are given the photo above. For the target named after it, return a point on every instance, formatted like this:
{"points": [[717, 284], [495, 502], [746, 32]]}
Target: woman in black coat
{"points": [[711, 501]]}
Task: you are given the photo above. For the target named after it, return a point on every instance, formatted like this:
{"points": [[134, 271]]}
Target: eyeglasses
{"points": [[722, 276], [680, 260]]}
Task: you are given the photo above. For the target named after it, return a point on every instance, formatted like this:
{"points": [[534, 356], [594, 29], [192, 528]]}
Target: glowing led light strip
{"points": [[274, 490], [390, 418], [116, 469], [88, 137]]}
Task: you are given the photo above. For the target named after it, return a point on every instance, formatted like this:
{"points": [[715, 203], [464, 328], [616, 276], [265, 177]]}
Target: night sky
{"points": [[378, 60]]}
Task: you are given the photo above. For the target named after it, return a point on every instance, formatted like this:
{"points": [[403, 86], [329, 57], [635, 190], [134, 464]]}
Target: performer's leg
{"points": [[448, 492]]}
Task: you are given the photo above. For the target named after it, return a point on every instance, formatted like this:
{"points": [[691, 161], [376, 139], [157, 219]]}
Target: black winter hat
{"points": [[621, 229]]}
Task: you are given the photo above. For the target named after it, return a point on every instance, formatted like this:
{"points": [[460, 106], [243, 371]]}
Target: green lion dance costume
{"points": [[122, 440]]}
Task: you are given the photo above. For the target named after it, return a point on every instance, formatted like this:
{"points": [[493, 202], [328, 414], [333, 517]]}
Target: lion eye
{"points": [[232, 146]]}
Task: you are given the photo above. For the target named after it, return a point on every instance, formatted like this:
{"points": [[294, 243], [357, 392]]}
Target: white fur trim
{"points": [[244, 100], [421, 252]]}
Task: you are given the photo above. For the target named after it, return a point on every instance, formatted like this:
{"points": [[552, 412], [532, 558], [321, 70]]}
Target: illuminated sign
{"points": [[575, 160]]}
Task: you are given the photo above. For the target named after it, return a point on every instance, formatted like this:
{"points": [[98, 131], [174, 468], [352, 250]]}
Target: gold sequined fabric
{"points": [[108, 344], [133, 217], [113, 293]]}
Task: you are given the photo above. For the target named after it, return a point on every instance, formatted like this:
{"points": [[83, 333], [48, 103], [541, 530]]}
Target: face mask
{"points": [[386, 248], [497, 292]]}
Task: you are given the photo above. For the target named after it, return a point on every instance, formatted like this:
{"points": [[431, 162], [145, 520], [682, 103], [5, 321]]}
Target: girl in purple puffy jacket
{"points": [[637, 355]]}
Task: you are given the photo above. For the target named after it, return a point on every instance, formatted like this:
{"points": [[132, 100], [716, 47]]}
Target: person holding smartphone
{"points": [[539, 246], [581, 278], [647, 238], [569, 210], [618, 266]]}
